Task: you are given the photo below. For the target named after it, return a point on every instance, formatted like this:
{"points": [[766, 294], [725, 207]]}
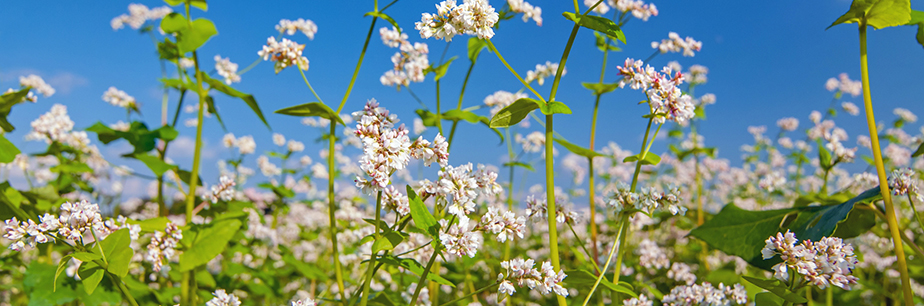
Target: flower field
{"points": [[365, 204]]}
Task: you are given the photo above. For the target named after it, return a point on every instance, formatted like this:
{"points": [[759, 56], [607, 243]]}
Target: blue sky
{"points": [[766, 60]]}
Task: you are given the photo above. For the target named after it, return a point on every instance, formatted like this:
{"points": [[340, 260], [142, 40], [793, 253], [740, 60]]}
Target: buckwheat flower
{"points": [[652, 256], [267, 168], [523, 273], [773, 181], [473, 17], [186, 63], [898, 155], [396, 201], [228, 140], [844, 84], [639, 8], [635, 75], [705, 294], [138, 14], [410, 64], [279, 139], [55, 125], [77, 218], [436, 152], [295, 146], [500, 99], [528, 10], [459, 239], [392, 38], [542, 72], [902, 182], [308, 27], [503, 224], [285, 53], [119, 98], [697, 74], [37, 83], [905, 115], [419, 127], [850, 108], [826, 262], [227, 69], [674, 44], [224, 191], [600, 9], [641, 300], [163, 246], [385, 148], [305, 302], [788, 124], [25, 233], [246, 145], [532, 143], [707, 99], [223, 299]]}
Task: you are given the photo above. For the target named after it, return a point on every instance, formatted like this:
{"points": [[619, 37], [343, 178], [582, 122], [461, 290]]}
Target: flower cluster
{"points": [[674, 44], [648, 200], [138, 14], [500, 99], [163, 246], [463, 185], [902, 182], [245, 144], [396, 201], [37, 83], [524, 274], [227, 70], [537, 209], [528, 10], [305, 302], [641, 300], [223, 299], [473, 17], [387, 149], [543, 71], [706, 294], [224, 191], [844, 84], [905, 115], [533, 142], [308, 27], [651, 256], [119, 98], [285, 53], [75, 219], [410, 63], [458, 238], [56, 125], [505, 225], [662, 88], [788, 124], [638, 8], [826, 262]]}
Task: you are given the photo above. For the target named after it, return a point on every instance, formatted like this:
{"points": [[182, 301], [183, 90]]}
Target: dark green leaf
{"points": [[207, 242], [877, 13], [167, 50], [212, 109], [777, 287], [520, 164], [154, 163], [228, 90], [824, 156], [767, 299], [313, 109], [62, 265], [584, 279], [387, 242], [555, 107], [415, 267], [650, 159], [600, 88], [577, 149], [186, 177], [8, 151], [421, 215], [601, 24], [514, 113], [919, 151]]}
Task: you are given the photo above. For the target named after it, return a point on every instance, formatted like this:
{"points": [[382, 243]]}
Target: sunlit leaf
{"points": [[206, 242], [421, 215], [555, 107], [576, 149], [596, 23], [514, 113], [778, 288], [228, 90], [8, 151], [313, 109], [877, 13]]}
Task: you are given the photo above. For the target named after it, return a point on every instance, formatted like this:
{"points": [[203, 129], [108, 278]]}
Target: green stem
{"points": [[378, 218], [829, 296], [439, 114], [609, 258], [915, 211], [359, 64], [452, 131], [453, 302], [309, 85], [423, 276], [578, 239], [332, 209], [880, 169], [501, 57]]}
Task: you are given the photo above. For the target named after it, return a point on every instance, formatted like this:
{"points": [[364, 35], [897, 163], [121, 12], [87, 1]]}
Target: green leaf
{"points": [[554, 107], [207, 242], [8, 151], [7, 101], [154, 163], [778, 288], [119, 261], [596, 23], [151, 225], [415, 267], [186, 177], [421, 215], [456, 115], [196, 35], [917, 18], [228, 90], [387, 242], [602, 43], [90, 275], [62, 265], [584, 279], [650, 159], [85, 257], [877, 13], [514, 113], [600, 88], [577, 149], [440, 70], [742, 233], [475, 46], [520, 164], [307, 270], [71, 168], [313, 109], [386, 17], [428, 118], [167, 50], [767, 299], [919, 151], [824, 156], [708, 151], [200, 4], [173, 23]]}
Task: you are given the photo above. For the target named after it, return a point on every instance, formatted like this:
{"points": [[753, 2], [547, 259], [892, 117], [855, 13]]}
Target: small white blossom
{"points": [[675, 44], [473, 17], [285, 53], [227, 69], [308, 27], [119, 98], [223, 299]]}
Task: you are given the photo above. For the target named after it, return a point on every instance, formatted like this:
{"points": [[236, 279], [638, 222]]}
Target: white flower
{"points": [[905, 115], [409, 64], [474, 17], [639, 8], [902, 182], [295, 146], [826, 262], [396, 201], [528, 10], [667, 100], [246, 145], [163, 246], [308, 27], [279, 139], [305, 302], [641, 300], [543, 71], [37, 83], [850, 108], [227, 69], [223, 191], [285, 53], [705, 294], [223, 299], [505, 225], [674, 44], [788, 124], [600, 9], [522, 272], [459, 239], [844, 84], [119, 98], [138, 15]]}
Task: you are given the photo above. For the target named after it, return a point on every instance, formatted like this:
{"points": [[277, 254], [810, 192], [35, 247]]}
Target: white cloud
{"points": [[64, 82], [185, 146]]}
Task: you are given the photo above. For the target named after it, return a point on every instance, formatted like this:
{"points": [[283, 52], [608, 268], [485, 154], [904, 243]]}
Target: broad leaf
{"points": [[767, 299], [154, 163], [173, 23], [207, 242], [475, 46], [421, 215], [62, 265], [602, 44], [554, 107], [85, 257], [90, 275], [877, 13], [228, 90], [600, 88], [778, 288], [604, 25], [7, 101], [919, 151], [387, 242], [514, 113], [440, 70], [200, 4], [584, 279], [577, 149], [650, 159], [313, 109], [196, 35], [456, 115], [742, 233], [428, 118], [8, 151]]}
